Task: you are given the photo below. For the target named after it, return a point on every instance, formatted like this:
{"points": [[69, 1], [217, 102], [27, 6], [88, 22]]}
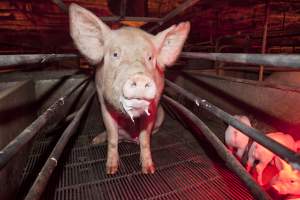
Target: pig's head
{"points": [[131, 62], [287, 181]]}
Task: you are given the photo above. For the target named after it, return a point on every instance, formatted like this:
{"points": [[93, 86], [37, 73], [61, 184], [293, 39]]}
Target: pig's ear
{"points": [[170, 42], [88, 33]]}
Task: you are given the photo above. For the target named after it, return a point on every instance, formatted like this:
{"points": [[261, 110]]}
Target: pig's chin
{"points": [[280, 190], [135, 107]]}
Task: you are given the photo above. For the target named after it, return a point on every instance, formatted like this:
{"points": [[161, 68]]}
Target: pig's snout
{"points": [[139, 87]]}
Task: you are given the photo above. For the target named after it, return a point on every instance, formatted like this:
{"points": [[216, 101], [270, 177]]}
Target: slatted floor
{"points": [[186, 168]]}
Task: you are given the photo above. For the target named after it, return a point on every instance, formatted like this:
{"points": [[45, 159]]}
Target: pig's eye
{"points": [[150, 58], [115, 55]]}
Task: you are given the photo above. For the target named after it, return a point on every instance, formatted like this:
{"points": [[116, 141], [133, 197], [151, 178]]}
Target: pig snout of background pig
{"points": [[234, 139], [288, 180], [129, 76], [264, 156]]}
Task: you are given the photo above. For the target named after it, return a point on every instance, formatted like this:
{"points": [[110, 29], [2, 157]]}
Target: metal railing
{"points": [[288, 155], [222, 151], [50, 115]]}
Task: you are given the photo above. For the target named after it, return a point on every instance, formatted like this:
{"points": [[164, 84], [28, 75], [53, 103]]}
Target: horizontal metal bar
{"points": [[140, 19], [12, 60], [182, 7], [41, 181], [275, 60], [64, 8], [222, 151], [12, 148], [288, 155]]}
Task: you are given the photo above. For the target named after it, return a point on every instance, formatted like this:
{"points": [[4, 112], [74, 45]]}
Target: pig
{"points": [[129, 77], [235, 139], [288, 179], [264, 156]]}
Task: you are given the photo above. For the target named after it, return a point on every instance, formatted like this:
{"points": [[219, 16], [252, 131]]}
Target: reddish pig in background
{"points": [[265, 156], [129, 77], [288, 179]]}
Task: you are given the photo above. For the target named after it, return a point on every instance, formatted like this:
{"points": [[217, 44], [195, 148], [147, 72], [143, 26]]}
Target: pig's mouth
{"points": [[135, 107]]}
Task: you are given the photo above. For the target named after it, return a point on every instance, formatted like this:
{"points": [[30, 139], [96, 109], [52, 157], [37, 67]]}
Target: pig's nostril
{"points": [[133, 84], [147, 85]]}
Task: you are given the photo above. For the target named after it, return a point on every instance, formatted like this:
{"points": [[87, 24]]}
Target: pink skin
{"points": [[288, 180], [234, 139], [139, 87], [264, 156], [129, 78]]}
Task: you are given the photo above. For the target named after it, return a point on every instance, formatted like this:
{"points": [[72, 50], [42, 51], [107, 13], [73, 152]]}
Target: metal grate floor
{"points": [[186, 168]]}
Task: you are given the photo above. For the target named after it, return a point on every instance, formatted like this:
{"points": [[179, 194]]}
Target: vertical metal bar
{"points": [[11, 149], [222, 151], [264, 44], [123, 8], [41, 181]]}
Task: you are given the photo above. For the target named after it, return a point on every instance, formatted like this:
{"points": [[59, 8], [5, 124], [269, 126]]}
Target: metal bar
{"points": [[253, 68], [264, 43], [12, 148], [12, 60], [280, 150], [61, 5], [182, 7], [222, 151], [41, 181], [123, 8], [143, 19], [122, 16], [275, 60], [196, 75]]}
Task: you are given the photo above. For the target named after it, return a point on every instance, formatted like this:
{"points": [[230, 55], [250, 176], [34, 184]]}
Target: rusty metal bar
{"points": [[12, 148], [275, 60], [264, 44], [41, 181], [290, 156], [182, 7], [12, 60], [222, 151]]}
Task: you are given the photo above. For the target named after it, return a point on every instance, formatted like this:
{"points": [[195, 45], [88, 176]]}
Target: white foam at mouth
{"points": [[131, 105], [147, 112]]}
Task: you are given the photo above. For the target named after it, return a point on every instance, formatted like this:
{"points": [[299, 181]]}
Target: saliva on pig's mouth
{"points": [[135, 107]]}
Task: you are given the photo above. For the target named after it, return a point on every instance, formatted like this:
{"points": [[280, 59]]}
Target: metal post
{"points": [[288, 155], [264, 44], [222, 151], [123, 8], [41, 181], [12, 148]]}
